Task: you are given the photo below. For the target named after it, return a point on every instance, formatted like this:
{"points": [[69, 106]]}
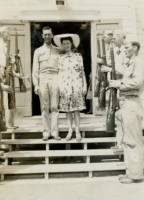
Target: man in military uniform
{"points": [[130, 114], [3, 87], [45, 71], [8, 71]]}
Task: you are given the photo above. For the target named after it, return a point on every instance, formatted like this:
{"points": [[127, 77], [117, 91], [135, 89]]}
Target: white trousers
{"points": [[134, 159], [49, 100], [130, 135]]}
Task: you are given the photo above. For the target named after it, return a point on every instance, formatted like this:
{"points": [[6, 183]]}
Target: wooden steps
{"points": [[52, 168], [59, 153], [85, 118], [62, 141], [30, 155], [33, 129]]}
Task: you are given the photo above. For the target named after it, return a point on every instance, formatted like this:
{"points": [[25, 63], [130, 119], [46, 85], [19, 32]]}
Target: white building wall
{"points": [[139, 9], [102, 9], [129, 12]]}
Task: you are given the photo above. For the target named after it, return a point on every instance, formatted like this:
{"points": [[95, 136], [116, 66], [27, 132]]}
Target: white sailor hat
{"points": [[75, 39]]}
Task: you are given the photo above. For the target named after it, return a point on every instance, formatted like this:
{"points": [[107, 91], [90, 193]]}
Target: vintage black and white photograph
{"points": [[71, 100]]}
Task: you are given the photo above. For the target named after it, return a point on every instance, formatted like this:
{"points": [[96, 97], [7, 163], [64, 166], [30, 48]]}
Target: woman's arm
{"points": [[83, 77]]}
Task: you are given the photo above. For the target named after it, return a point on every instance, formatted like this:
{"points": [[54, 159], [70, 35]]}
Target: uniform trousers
{"points": [[131, 137], [49, 100]]}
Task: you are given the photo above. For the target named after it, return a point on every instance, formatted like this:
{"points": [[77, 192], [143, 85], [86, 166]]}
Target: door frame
{"points": [[26, 110], [93, 20], [94, 32]]}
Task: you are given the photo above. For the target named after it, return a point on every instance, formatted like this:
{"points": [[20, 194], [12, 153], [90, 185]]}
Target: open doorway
{"points": [[81, 28]]}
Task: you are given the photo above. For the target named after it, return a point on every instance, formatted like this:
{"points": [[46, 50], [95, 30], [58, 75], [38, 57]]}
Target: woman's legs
{"points": [[77, 125], [69, 122]]}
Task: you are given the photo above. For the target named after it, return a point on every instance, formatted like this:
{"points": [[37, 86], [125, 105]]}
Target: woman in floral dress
{"points": [[72, 81]]}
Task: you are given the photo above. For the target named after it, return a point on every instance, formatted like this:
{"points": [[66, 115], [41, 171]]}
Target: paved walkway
{"points": [[104, 189]]}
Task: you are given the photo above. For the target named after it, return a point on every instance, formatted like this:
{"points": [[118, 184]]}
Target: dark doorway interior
{"points": [[81, 28]]}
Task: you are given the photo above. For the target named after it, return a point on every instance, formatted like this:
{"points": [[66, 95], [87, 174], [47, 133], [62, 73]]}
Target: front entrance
{"points": [[84, 31]]}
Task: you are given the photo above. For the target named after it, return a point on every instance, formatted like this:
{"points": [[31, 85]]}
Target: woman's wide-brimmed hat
{"points": [[75, 39]]}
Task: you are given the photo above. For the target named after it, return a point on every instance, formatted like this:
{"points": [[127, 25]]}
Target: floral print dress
{"points": [[71, 82]]}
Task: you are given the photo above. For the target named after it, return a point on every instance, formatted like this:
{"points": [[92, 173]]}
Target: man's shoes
{"points": [[122, 176], [12, 126], [127, 180]]}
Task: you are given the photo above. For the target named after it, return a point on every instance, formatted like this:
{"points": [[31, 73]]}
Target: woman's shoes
{"points": [[78, 136], [69, 135]]}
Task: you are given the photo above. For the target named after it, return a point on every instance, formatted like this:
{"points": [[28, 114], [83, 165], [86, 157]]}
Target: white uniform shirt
{"points": [[133, 77], [45, 62]]}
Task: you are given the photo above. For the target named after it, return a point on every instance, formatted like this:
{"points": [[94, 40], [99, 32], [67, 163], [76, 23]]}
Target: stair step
{"points": [[60, 153], [62, 128], [63, 121], [55, 168], [63, 116], [62, 141]]}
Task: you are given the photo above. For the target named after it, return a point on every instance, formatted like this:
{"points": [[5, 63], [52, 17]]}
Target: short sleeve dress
{"points": [[71, 82]]}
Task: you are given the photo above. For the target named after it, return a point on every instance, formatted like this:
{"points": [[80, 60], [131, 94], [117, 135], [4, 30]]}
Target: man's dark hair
{"points": [[46, 28], [136, 44]]}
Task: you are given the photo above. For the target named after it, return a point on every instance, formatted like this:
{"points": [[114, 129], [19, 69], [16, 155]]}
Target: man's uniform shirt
{"points": [[133, 78], [45, 62]]}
